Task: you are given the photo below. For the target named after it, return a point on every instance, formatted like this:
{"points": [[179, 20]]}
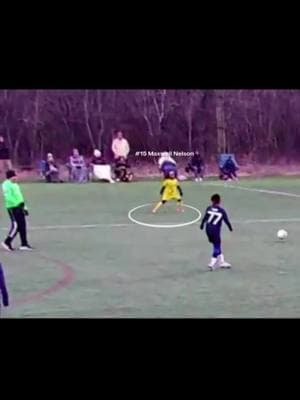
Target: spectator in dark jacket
{"points": [[98, 159], [100, 168], [51, 170], [196, 166], [229, 170], [122, 170]]}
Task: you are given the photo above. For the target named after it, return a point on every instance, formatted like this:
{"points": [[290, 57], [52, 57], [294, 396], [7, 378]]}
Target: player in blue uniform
{"points": [[212, 220], [3, 290]]}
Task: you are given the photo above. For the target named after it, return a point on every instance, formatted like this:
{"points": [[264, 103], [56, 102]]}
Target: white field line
{"points": [[97, 226], [236, 186], [230, 186]]}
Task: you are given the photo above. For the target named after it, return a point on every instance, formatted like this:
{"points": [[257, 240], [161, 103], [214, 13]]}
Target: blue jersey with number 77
{"points": [[213, 218]]}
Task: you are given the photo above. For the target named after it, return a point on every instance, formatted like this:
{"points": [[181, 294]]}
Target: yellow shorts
{"points": [[168, 197]]}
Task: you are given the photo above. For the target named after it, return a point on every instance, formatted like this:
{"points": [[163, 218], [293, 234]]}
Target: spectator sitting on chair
{"points": [[98, 159], [51, 170], [120, 146], [100, 168], [228, 172], [167, 164], [78, 167], [196, 165], [122, 170]]}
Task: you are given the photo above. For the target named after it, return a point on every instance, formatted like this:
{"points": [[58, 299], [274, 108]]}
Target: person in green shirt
{"points": [[17, 211]]}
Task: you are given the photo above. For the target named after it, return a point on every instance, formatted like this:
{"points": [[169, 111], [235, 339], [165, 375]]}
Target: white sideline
{"points": [[96, 226], [230, 186], [56, 227], [277, 193]]}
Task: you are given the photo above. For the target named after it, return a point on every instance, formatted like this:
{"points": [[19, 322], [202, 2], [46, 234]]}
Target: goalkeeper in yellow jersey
{"points": [[170, 191]]}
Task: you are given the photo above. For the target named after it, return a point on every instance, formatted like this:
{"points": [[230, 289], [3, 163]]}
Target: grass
{"points": [[120, 269]]}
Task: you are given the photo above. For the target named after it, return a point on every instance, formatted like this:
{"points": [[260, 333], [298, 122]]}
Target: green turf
{"points": [[135, 271]]}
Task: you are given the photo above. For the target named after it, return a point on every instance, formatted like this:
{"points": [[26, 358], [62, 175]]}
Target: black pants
{"points": [[52, 177], [18, 225], [228, 174], [123, 174], [197, 170]]}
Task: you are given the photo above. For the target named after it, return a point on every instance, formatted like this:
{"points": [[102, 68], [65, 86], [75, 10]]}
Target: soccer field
{"points": [[90, 260]]}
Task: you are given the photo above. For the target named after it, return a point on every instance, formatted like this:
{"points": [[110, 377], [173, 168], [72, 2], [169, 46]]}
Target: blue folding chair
{"points": [[42, 168]]}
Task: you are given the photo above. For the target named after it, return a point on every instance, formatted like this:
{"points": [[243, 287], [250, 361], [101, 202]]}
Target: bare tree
{"points": [[260, 124], [87, 117], [220, 118]]}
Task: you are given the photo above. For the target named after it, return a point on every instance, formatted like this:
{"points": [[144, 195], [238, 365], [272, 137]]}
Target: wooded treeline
{"points": [[258, 124]]}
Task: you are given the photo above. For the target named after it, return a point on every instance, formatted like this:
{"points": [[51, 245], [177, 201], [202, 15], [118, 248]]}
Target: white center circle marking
{"points": [[163, 225]]}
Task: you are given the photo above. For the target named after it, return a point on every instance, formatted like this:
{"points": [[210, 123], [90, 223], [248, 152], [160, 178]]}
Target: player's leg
{"points": [[221, 260], [22, 228], [179, 205], [214, 239], [158, 205], [7, 244]]}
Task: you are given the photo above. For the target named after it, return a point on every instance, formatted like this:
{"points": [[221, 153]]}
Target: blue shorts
{"points": [[214, 237]]}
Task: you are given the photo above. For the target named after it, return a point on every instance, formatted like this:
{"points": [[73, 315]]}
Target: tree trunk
{"points": [[220, 119], [35, 125], [101, 119], [86, 118]]}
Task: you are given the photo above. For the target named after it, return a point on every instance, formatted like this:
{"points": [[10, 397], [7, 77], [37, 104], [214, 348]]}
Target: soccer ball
{"points": [[282, 234]]}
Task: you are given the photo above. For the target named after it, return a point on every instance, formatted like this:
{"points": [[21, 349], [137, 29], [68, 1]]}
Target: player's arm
{"points": [[180, 190], [226, 220], [204, 220], [162, 189]]}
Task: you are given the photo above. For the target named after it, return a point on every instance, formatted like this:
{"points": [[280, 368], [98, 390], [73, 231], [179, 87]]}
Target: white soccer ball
{"points": [[97, 153], [282, 234]]}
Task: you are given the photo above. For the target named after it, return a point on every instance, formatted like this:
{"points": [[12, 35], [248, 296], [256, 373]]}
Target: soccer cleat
{"points": [[7, 247], [26, 248], [225, 265], [222, 262], [212, 263]]}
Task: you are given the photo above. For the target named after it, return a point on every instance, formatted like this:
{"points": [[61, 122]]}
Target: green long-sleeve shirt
{"points": [[13, 196]]}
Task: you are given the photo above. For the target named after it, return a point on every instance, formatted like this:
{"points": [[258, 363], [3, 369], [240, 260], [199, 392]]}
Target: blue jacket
{"points": [[3, 289]]}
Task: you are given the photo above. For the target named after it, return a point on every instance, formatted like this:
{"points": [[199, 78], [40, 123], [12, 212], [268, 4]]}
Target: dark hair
{"points": [[216, 199], [10, 174]]}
